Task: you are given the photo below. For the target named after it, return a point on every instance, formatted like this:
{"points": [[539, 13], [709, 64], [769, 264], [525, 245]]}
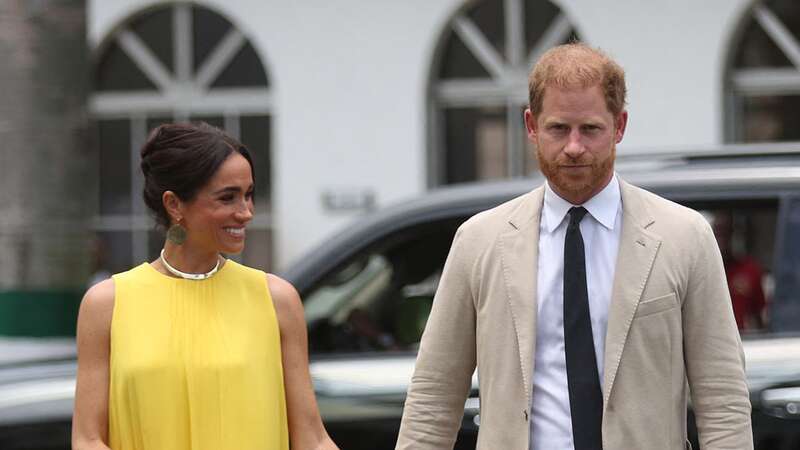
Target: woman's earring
{"points": [[176, 233]]}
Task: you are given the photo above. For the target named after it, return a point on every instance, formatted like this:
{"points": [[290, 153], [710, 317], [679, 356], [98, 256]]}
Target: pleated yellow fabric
{"points": [[195, 365]]}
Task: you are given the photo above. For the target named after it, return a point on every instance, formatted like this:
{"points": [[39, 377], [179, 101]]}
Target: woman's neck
{"points": [[189, 260]]}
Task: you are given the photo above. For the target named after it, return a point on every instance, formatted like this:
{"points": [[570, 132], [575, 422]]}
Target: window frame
{"points": [[507, 86], [743, 83], [179, 96]]}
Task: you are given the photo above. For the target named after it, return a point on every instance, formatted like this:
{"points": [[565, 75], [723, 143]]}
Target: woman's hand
{"points": [[306, 431]]}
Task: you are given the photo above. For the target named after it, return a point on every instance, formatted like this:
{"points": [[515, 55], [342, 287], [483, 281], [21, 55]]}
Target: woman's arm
{"points": [[306, 431], [90, 419]]}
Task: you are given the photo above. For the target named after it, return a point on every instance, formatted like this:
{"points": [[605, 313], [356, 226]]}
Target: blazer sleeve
{"points": [[434, 406], [713, 351]]}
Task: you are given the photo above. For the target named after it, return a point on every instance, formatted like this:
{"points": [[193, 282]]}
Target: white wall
{"points": [[350, 90], [673, 52], [350, 78]]}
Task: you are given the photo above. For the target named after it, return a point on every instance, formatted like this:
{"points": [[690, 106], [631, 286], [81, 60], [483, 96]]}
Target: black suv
{"points": [[368, 292]]}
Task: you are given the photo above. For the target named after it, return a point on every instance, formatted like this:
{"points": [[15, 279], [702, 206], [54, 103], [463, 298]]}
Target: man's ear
{"points": [[173, 205], [620, 123], [531, 126]]}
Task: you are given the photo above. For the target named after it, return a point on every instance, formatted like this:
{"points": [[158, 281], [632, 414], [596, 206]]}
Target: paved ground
{"points": [[16, 349]]}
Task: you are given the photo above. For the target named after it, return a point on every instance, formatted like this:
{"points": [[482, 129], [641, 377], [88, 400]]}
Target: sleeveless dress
{"points": [[195, 365]]}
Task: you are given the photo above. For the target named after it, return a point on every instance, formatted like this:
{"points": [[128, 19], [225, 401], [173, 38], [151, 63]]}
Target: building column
{"points": [[48, 182]]}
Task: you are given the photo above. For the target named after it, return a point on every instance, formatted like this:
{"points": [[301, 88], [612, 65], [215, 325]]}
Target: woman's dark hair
{"points": [[182, 158]]}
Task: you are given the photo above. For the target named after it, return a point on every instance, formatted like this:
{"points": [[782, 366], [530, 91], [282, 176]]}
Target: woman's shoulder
{"points": [[101, 292], [98, 302], [280, 287], [231, 269], [143, 270], [285, 298]]}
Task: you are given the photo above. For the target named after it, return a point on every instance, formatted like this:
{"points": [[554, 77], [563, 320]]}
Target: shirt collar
{"points": [[603, 206]]}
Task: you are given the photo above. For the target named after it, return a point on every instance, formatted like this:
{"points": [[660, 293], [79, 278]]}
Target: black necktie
{"points": [[585, 396]]}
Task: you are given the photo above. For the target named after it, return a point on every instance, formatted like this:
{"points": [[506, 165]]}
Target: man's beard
{"points": [[600, 172]]}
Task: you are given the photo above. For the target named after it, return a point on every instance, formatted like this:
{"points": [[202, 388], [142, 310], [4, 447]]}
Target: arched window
{"points": [[764, 77], [174, 63], [479, 88]]}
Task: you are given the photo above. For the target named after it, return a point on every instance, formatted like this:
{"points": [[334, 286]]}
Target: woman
{"points": [[194, 351]]}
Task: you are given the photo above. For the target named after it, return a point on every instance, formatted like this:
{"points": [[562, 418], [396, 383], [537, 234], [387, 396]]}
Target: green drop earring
{"points": [[176, 233]]}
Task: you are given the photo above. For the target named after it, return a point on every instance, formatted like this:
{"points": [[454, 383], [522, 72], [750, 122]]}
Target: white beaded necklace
{"points": [[189, 276]]}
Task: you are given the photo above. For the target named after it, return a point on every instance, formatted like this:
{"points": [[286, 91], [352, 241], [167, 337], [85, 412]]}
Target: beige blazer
{"points": [[671, 333]]}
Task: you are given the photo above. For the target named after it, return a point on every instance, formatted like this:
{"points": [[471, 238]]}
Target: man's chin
{"points": [[570, 188], [581, 186]]}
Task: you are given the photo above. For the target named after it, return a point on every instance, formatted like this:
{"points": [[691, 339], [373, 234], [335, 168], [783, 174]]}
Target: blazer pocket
{"points": [[656, 305]]}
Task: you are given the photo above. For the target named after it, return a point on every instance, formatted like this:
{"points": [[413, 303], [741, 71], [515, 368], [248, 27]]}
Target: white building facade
{"points": [[353, 104]]}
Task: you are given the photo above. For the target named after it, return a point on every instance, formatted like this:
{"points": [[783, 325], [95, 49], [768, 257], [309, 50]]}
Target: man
{"points": [[586, 304]]}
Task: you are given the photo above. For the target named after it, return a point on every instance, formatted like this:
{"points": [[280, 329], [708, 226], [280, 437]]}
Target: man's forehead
{"points": [[567, 100]]}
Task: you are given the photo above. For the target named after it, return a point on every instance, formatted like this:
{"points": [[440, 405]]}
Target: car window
{"points": [[353, 287], [786, 300], [380, 299]]}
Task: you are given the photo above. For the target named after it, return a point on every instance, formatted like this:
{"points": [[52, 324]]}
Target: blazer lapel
{"points": [[637, 251], [519, 250]]}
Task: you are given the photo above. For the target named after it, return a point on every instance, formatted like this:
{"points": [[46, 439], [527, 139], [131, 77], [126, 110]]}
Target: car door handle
{"points": [[782, 402], [473, 406]]}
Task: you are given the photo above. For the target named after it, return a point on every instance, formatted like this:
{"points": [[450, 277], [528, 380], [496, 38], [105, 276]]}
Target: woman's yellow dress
{"points": [[195, 365]]}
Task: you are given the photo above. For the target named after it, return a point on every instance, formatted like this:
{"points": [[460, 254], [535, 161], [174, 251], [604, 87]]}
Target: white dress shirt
{"points": [[551, 423]]}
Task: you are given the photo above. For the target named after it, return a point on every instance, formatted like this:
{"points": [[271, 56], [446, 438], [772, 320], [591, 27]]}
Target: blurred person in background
{"points": [[744, 276], [194, 351]]}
